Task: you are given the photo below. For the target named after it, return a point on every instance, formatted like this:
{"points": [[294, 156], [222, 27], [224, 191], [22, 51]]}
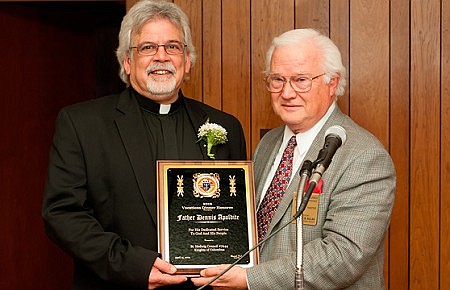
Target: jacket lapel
{"points": [[263, 166], [134, 137], [198, 117]]}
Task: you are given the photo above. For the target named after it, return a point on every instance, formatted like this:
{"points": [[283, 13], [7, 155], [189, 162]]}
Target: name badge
{"points": [[309, 215]]}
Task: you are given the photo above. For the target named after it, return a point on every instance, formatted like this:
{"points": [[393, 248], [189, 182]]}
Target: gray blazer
{"points": [[345, 249]]}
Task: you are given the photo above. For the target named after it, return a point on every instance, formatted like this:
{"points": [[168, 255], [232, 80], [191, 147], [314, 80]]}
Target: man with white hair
{"points": [[345, 226]]}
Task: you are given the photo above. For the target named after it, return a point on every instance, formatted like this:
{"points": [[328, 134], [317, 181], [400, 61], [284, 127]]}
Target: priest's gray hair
{"points": [[135, 19]]}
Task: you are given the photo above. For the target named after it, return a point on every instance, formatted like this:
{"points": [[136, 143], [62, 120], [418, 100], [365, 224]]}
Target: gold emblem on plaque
{"points": [[232, 180], [180, 189], [206, 185]]}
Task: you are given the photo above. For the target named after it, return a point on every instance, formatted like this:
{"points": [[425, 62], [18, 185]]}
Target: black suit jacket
{"points": [[100, 201]]}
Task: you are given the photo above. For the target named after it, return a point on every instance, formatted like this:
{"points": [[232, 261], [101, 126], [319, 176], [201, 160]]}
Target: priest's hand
{"points": [[162, 275]]}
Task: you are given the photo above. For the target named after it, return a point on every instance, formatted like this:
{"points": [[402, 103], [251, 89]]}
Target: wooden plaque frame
{"points": [[206, 213]]}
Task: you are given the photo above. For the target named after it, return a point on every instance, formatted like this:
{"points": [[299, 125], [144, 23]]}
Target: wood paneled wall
{"points": [[398, 58], [52, 54]]}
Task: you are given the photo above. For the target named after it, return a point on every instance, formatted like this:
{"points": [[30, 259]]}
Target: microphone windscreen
{"points": [[337, 131]]}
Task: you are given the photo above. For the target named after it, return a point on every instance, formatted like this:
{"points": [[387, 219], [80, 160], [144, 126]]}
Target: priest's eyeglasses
{"points": [[299, 83], [151, 48]]}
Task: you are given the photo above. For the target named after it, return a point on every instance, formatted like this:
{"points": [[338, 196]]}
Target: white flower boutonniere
{"points": [[213, 135]]}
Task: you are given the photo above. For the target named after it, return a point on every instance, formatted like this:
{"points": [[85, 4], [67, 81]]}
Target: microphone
{"points": [[335, 137], [306, 169], [305, 173]]}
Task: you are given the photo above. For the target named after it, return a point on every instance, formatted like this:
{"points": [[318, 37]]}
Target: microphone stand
{"points": [[305, 173], [320, 165]]}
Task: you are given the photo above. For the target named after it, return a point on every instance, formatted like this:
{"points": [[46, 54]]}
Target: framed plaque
{"points": [[206, 214]]}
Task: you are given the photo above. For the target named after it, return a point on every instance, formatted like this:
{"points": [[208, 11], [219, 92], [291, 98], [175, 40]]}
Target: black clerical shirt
{"points": [[170, 130]]}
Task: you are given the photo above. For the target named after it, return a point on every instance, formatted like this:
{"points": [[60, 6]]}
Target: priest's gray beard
{"points": [[162, 87], [164, 84]]}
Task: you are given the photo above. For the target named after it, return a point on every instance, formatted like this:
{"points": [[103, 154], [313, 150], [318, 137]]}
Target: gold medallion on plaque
{"points": [[206, 185]]}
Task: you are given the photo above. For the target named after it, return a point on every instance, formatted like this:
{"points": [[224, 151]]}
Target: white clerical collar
{"points": [[164, 109]]}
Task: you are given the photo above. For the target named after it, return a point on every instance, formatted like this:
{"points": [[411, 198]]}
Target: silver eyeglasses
{"points": [[299, 83], [151, 48]]}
